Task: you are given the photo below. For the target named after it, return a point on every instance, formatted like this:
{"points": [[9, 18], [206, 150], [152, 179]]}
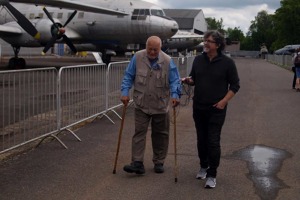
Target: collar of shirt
{"points": [[217, 57], [153, 64]]}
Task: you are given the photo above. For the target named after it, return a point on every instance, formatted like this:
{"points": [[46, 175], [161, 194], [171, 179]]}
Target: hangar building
{"points": [[191, 20]]}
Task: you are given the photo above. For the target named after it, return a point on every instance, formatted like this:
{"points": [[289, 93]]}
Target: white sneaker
{"points": [[202, 173], [211, 182]]}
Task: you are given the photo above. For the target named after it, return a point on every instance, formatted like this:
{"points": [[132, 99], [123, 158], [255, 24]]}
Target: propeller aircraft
{"points": [[104, 26], [182, 41]]}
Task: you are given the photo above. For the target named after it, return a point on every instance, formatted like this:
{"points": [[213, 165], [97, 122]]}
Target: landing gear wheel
{"points": [[16, 63], [22, 63], [106, 59]]}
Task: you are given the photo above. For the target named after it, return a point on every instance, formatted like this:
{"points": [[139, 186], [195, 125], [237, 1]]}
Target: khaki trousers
{"points": [[160, 125]]}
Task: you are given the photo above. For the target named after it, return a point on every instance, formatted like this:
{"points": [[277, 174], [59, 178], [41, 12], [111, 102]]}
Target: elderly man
{"points": [[155, 78]]}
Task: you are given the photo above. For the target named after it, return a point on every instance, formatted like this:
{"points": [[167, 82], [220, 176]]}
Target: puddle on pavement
{"points": [[263, 163]]}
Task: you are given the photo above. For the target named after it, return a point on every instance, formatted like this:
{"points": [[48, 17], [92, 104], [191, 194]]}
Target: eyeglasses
{"points": [[209, 41]]}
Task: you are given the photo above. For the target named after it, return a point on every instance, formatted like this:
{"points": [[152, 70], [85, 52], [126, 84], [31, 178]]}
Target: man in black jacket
{"points": [[216, 81]]}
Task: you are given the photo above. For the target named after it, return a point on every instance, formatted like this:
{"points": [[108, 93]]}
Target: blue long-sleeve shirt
{"points": [[129, 76]]}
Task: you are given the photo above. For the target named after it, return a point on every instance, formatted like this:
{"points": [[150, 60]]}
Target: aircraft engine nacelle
{"points": [[23, 39], [20, 38], [44, 27]]}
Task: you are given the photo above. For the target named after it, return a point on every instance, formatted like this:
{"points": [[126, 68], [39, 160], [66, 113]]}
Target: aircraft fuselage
{"points": [[96, 30]]}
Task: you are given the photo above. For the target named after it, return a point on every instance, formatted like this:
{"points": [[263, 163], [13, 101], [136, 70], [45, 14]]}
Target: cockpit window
{"points": [[135, 12], [140, 14], [157, 12]]}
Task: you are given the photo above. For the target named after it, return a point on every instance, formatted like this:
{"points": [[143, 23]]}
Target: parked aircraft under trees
{"points": [[182, 41], [287, 50], [103, 26]]}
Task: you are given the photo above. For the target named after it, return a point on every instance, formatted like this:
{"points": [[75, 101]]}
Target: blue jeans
{"points": [[297, 72]]}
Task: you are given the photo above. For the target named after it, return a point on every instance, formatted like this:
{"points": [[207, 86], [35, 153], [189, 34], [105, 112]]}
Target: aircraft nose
{"points": [[162, 26], [170, 27], [175, 27]]}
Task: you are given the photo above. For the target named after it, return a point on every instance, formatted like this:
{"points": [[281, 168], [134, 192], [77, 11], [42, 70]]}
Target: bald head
{"points": [[153, 46], [154, 40]]}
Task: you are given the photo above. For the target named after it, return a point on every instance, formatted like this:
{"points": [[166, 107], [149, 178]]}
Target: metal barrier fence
{"points": [[241, 53], [28, 106], [40, 103], [181, 65], [81, 94], [282, 60], [114, 76], [184, 65], [189, 64]]}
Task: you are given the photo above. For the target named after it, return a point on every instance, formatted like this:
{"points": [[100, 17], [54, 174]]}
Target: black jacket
{"points": [[213, 79]]}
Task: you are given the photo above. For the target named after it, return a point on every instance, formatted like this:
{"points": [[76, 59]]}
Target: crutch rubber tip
{"points": [[175, 180], [114, 172]]}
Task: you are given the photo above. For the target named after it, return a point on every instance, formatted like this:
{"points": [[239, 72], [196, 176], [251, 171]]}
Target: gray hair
{"points": [[218, 38]]}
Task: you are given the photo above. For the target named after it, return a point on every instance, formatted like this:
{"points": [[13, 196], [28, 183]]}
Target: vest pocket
{"points": [[141, 78], [163, 100], [138, 98]]}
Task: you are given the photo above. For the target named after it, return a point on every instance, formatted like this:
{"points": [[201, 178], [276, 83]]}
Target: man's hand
{"points": [[222, 103], [125, 100], [188, 80], [175, 102]]}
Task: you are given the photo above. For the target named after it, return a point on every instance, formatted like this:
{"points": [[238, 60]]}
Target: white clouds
{"points": [[216, 3], [236, 17], [159, 3], [235, 13]]}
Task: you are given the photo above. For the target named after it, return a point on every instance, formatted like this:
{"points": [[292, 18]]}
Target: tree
{"points": [[235, 34], [213, 24], [275, 31], [261, 31], [287, 23], [247, 44]]}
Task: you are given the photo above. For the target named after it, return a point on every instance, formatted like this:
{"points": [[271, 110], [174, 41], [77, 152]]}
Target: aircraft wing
{"points": [[72, 5], [9, 29], [183, 34]]}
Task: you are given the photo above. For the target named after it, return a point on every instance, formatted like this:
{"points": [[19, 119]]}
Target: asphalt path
{"points": [[263, 114]]}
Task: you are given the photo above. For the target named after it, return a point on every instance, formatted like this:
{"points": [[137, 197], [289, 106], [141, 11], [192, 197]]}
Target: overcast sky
{"points": [[235, 13]]}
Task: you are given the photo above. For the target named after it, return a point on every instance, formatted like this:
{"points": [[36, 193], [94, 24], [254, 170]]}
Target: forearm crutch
{"points": [[175, 145], [120, 136]]}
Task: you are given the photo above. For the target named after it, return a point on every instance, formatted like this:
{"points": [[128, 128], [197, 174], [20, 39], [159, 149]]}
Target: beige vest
{"points": [[151, 87]]}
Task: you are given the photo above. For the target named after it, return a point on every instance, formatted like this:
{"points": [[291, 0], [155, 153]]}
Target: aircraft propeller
{"points": [[21, 20], [58, 31]]}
